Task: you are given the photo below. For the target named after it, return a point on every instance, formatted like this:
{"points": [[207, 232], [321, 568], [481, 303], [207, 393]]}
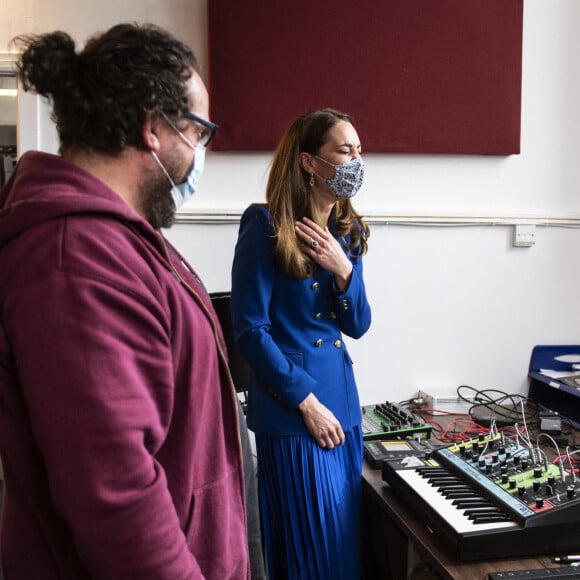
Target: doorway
{"points": [[8, 123]]}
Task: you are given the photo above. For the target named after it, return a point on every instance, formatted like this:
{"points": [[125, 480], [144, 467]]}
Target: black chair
{"points": [[238, 367], [241, 376]]}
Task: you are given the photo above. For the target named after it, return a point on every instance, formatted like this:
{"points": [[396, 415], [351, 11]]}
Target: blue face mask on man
{"points": [[182, 192]]}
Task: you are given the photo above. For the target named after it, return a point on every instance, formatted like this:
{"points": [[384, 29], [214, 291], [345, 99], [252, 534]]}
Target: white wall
{"points": [[452, 305]]}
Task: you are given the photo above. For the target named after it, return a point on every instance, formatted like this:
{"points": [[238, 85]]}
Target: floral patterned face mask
{"points": [[347, 179]]}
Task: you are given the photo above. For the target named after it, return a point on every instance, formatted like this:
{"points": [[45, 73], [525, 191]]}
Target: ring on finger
{"points": [[314, 244]]}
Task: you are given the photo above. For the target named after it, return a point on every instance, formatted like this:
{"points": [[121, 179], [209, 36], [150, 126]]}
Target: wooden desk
{"points": [[401, 542]]}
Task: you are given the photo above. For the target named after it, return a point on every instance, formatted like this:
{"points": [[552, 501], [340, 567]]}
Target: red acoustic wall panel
{"points": [[418, 76]]}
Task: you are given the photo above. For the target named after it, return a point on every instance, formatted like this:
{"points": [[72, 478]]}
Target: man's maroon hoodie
{"points": [[118, 423]]}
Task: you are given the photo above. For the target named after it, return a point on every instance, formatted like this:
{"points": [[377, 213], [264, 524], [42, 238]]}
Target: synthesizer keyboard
{"points": [[541, 574], [490, 498], [392, 421]]}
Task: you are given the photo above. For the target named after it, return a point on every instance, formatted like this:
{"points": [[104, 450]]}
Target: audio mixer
{"points": [[389, 421]]}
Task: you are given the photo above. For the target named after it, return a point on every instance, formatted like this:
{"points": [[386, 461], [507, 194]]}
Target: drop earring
{"points": [[312, 180]]}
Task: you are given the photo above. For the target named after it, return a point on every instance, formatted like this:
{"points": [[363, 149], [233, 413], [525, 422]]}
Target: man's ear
{"points": [[150, 131]]}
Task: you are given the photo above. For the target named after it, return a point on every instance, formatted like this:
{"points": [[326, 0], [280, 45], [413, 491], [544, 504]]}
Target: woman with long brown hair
{"points": [[297, 287]]}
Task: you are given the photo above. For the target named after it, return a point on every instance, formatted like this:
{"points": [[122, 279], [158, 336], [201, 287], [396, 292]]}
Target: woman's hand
{"points": [[325, 251], [321, 422]]}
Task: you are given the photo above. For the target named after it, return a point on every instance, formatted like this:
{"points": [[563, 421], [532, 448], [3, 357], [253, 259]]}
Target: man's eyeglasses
{"points": [[207, 130]]}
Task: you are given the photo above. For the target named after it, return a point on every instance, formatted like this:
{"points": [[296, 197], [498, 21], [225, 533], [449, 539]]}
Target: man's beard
{"points": [[157, 204]]}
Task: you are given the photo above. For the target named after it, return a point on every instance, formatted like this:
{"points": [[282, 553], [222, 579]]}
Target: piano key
{"points": [[471, 503], [440, 480], [457, 494], [472, 513], [489, 518]]}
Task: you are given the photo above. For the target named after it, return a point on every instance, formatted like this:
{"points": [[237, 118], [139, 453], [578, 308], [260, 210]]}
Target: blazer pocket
{"points": [[296, 357]]}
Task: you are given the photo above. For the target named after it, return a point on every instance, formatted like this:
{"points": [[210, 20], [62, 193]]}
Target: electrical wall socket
{"points": [[524, 235]]}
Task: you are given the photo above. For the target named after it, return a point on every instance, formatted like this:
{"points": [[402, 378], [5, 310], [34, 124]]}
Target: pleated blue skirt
{"points": [[311, 507]]}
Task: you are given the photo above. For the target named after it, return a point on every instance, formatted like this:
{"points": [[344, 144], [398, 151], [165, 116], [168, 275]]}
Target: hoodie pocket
{"points": [[216, 532]]}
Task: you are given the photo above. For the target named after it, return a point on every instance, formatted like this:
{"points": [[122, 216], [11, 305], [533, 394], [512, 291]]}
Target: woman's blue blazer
{"points": [[290, 332]]}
